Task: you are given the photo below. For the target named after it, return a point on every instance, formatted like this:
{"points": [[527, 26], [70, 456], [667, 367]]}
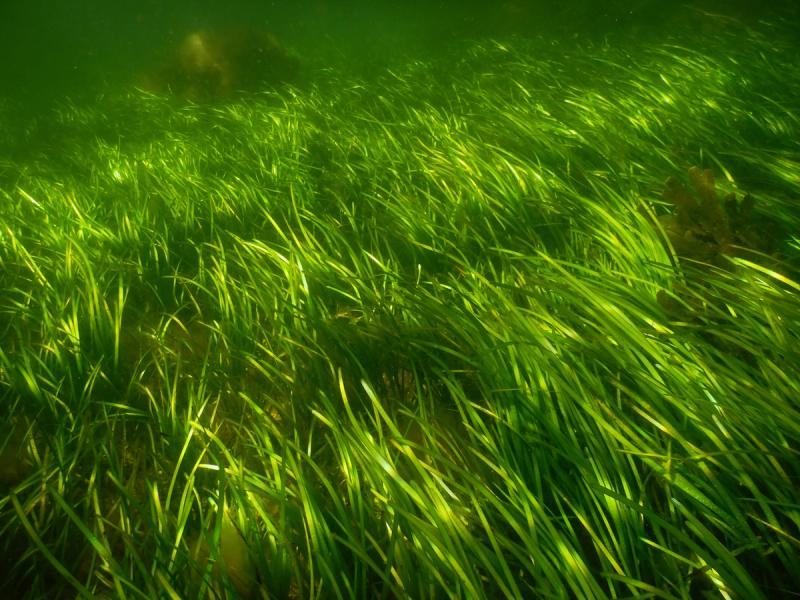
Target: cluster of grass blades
{"points": [[401, 336]]}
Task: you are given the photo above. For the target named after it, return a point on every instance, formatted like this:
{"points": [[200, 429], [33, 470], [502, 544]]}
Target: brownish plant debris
{"points": [[214, 64], [704, 230], [704, 227]]}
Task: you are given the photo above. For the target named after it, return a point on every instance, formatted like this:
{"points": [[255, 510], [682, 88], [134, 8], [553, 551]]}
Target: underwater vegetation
{"points": [[704, 227], [705, 232], [404, 335]]}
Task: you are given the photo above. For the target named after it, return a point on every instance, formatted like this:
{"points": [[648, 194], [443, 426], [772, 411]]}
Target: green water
{"points": [[53, 49]]}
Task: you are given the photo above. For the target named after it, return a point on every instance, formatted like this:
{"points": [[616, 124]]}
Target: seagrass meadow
{"points": [[427, 330]]}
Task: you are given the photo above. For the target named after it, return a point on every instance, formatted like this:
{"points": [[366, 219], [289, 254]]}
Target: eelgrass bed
{"points": [[419, 335]]}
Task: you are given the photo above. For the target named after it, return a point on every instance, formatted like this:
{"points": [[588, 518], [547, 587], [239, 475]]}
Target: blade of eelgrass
{"points": [[46, 553]]}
